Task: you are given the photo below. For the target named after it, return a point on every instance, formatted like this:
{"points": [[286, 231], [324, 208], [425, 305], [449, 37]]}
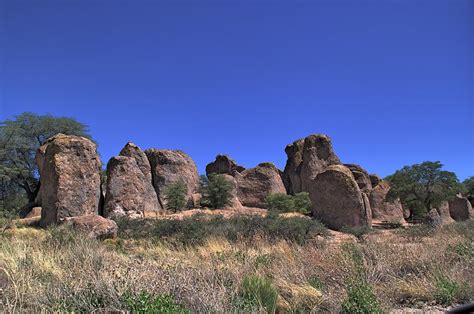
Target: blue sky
{"points": [[392, 82]]}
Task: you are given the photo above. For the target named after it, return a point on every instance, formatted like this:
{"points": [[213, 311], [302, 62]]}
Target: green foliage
{"points": [[418, 232], [283, 203], [360, 296], [359, 231], [258, 293], [175, 195], [463, 249], [469, 186], [143, 303], [448, 291], [20, 138], [423, 186], [216, 191], [197, 229], [316, 283]]}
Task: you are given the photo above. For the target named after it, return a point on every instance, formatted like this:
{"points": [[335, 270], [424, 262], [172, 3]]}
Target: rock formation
{"points": [[129, 186], [255, 184], [169, 167], [383, 209], [361, 176], [433, 218], [444, 214], [374, 180], [70, 178], [337, 200], [94, 226], [223, 165], [460, 209], [292, 173]]}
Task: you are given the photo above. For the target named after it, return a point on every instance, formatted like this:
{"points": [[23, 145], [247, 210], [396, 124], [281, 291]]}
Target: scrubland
{"points": [[241, 264]]}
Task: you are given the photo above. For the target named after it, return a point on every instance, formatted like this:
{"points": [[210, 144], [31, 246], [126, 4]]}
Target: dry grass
{"points": [[57, 270]]}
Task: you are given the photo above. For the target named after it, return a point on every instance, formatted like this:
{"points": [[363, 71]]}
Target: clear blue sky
{"points": [[392, 82]]}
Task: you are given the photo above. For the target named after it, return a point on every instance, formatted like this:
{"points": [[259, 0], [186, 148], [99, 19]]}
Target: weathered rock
{"points": [[383, 209], [234, 201], [361, 176], [433, 219], [443, 211], [317, 156], [169, 167], [337, 200], [26, 209], [406, 213], [374, 180], [35, 212], [135, 152], [292, 173], [255, 184], [94, 226], [70, 178], [223, 165], [460, 209], [129, 191]]}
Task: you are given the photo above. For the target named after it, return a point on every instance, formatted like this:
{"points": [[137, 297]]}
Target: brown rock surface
{"points": [[169, 167], [94, 226], [461, 209], [35, 212], [433, 218], [361, 176], [129, 191], [70, 178], [291, 174], [255, 184], [383, 209], [444, 214], [223, 165], [337, 200], [374, 180], [135, 152]]}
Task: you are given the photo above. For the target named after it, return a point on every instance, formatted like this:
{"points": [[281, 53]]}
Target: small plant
{"points": [[144, 302], [283, 203], [463, 249], [216, 191], [416, 233], [175, 195], [359, 232], [448, 291], [258, 293], [316, 283]]}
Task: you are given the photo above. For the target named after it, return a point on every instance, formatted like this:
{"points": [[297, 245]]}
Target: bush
{"points": [[359, 231], [283, 203], [175, 195], [216, 191], [147, 303], [257, 293], [448, 292]]}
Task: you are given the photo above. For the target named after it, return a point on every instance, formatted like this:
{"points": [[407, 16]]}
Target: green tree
{"points": [[423, 186], [175, 195], [469, 186], [216, 191], [280, 202], [20, 138]]}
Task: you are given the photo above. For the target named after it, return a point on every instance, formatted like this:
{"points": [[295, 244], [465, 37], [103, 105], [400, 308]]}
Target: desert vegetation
{"points": [[192, 266]]}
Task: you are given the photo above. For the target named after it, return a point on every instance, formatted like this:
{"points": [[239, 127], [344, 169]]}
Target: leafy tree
{"points": [[280, 202], [216, 191], [175, 195], [19, 140], [469, 186], [423, 186]]}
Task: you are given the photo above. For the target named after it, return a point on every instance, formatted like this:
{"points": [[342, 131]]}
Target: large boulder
{"points": [[94, 226], [460, 209], [361, 176], [306, 159], [135, 152], [433, 218], [255, 184], [223, 165], [374, 180], [129, 191], [70, 178], [337, 200], [444, 214], [169, 167], [382, 208]]}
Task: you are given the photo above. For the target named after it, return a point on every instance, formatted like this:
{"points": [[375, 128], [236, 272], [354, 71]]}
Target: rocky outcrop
{"points": [[382, 208], [70, 178], [35, 212], [292, 173], [234, 201], [461, 209], [306, 159], [374, 180], [337, 200], [129, 190], [361, 176], [433, 218], [444, 214], [255, 184], [223, 165], [94, 226], [169, 167], [133, 151]]}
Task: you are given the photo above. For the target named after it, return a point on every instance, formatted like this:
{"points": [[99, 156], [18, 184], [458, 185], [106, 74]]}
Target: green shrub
{"points": [[463, 249], [359, 231], [448, 291], [145, 303], [175, 195], [283, 203], [216, 191], [416, 233], [258, 293]]}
